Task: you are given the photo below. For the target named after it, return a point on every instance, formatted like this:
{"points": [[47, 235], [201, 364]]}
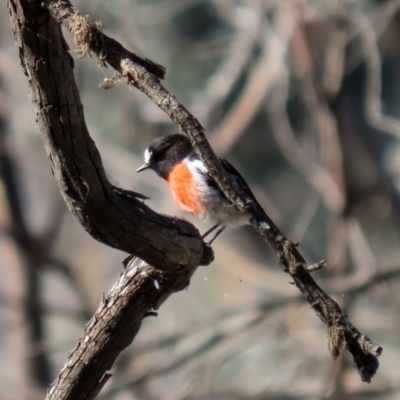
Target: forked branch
{"points": [[85, 187]]}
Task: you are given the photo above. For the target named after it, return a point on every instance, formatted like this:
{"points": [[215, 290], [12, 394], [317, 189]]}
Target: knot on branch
{"points": [[336, 340], [290, 259]]}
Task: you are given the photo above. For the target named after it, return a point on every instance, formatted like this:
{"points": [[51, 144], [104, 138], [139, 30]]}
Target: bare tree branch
{"points": [[139, 289], [173, 246], [126, 224], [131, 226]]}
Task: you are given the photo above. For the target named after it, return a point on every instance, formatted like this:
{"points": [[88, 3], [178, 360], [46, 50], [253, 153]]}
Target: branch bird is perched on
{"points": [[194, 190]]}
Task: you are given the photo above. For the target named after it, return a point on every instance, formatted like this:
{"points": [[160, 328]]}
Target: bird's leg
{"points": [[210, 230], [220, 230]]}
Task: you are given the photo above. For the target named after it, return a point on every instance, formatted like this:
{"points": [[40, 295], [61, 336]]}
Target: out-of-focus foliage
{"points": [[303, 97]]}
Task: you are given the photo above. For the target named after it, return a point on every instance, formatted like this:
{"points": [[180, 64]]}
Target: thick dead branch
{"points": [[118, 221], [173, 247], [138, 291]]}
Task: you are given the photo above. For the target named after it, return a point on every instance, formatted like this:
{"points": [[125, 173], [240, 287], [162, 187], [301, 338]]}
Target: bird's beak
{"points": [[143, 167]]}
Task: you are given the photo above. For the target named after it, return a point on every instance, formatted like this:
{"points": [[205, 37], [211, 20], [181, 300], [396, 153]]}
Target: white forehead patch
{"points": [[147, 155]]}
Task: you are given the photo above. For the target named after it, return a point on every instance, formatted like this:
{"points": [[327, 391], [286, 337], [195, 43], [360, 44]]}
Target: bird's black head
{"points": [[164, 153]]}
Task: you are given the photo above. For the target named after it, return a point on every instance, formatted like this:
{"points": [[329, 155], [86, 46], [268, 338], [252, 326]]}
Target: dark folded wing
{"points": [[235, 174]]}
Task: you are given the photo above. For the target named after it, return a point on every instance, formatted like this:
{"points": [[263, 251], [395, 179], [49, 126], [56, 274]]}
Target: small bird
{"points": [[194, 190]]}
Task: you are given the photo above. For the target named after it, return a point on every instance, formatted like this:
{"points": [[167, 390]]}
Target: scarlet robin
{"points": [[194, 190]]}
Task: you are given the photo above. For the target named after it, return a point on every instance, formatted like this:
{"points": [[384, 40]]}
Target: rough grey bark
{"points": [[173, 247], [113, 328], [126, 224]]}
